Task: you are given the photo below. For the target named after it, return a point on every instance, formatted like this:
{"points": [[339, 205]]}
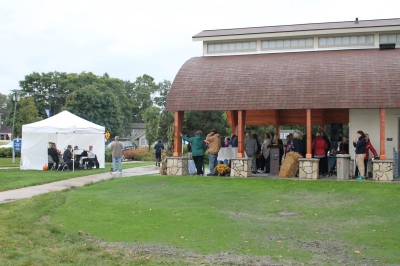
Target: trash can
{"points": [[274, 160], [343, 166]]}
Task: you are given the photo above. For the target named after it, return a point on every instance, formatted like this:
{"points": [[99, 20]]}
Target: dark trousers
{"points": [[323, 165], [158, 157], [92, 161], [267, 165], [198, 161]]}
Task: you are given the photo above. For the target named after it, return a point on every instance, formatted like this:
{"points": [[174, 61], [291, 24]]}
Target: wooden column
{"points": [[382, 156], [178, 125], [234, 119], [240, 128], [277, 123], [309, 134]]}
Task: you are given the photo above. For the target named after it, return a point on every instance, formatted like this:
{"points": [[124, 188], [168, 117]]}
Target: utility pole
{"points": [[15, 100]]}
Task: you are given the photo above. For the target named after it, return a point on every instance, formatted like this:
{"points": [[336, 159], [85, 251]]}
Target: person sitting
{"points": [[68, 158], [91, 159], [53, 152]]}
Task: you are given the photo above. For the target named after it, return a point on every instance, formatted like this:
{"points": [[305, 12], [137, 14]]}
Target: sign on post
{"points": [[17, 144], [107, 134]]}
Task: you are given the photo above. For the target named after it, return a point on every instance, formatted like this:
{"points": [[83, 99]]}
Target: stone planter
{"points": [[177, 166], [308, 168], [382, 170], [240, 167]]}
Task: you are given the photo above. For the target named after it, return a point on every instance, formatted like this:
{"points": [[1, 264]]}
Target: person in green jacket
{"points": [[198, 148]]}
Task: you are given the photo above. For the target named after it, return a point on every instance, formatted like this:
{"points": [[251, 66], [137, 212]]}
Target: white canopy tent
{"points": [[63, 129]]}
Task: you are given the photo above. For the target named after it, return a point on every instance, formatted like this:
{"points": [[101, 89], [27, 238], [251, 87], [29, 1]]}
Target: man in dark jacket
{"points": [[158, 147]]}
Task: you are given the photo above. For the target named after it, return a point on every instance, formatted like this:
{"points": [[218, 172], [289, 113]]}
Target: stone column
{"points": [[382, 170], [343, 166], [241, 167], [177, 166], [308, 168]]}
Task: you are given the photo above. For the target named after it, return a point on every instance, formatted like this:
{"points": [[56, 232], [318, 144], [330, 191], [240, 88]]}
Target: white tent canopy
{"points": [[63, 129]]}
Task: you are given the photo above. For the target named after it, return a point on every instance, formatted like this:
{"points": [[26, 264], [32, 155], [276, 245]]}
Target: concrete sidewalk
{"points": [[28, 192]]}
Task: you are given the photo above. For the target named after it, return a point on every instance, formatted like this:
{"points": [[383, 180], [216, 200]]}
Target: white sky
{"points": [[127, 39]]}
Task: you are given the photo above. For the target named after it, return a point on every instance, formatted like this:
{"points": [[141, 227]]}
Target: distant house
{"points": [[4, 131], [138, 134]]}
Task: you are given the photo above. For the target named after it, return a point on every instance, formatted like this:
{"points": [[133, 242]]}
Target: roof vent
{"points": [[387, 46], [356, 20]]}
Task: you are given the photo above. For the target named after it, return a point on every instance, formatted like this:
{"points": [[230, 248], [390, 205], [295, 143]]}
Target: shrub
{"points": [[6, 152], [108, 156], [140, 154]]}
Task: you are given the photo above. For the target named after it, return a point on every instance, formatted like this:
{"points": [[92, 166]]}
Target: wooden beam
{"points": [[178, 125], [241, 125], [382, 156], [309, 134]]}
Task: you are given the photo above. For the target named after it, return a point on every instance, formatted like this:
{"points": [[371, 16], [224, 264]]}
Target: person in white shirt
{"points": [[91, 157]]}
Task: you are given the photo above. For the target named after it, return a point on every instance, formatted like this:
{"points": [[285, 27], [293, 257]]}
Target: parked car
{"points": [[128, 145]]}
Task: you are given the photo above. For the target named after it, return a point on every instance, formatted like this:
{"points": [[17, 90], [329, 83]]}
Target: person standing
{"points": [[298, 145], [265, 152], [214, 145], [360, 144], [368, 148], [251, 148], [319, 146], [159, 147], [116, 151], [198, 149]]}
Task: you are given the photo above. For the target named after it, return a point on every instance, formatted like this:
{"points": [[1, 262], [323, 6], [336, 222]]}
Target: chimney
{"points": [[356, 20]]}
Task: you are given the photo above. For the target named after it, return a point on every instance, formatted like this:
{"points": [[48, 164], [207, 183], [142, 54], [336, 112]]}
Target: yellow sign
{"points": [[107, 134]]}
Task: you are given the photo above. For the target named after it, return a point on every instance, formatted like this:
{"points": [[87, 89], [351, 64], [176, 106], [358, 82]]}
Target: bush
{"points": [[7, 152], [140, 154], [108, 156]]}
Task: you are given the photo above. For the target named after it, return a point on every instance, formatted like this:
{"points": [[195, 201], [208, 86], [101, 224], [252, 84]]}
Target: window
{"points": [[346, 40], [142, 142], [134, 132], [389, 38], [287, 44], [231, 47]]}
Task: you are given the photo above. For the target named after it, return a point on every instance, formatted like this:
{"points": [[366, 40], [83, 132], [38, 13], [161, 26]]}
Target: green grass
{"points": [[174, 220], [16, 178], [7, 162]]}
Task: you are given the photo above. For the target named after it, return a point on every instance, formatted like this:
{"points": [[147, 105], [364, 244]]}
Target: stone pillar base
{"points": [[240, 167], [308, 168], [177, 166], [382, 170]]}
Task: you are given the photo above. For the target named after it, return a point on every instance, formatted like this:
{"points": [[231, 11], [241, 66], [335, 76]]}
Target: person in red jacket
{"points": [[368, 148], [319, 146]]}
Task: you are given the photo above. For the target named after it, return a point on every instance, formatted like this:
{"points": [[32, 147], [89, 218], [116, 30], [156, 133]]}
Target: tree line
{"points": [[103, 100]]}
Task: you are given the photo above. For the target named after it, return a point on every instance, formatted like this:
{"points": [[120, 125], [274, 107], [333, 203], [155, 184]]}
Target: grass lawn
{"points": [[174, 220], [16, 178], [7, 162]]}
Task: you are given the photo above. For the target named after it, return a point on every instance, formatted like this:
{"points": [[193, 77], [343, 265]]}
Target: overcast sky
{"points": [[127, 39]]}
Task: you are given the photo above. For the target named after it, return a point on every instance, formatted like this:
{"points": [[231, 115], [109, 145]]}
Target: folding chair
{"points": [[51, 161], [62, 164]]}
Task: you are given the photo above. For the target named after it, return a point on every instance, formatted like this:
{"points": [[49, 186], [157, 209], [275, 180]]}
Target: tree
{"points": [[166, 120], [26, 114], [98, 105], [151, 116], [204, 121], [162, 91]]}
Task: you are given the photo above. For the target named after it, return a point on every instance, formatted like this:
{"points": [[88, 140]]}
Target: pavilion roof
{"points": [[367, 78]]}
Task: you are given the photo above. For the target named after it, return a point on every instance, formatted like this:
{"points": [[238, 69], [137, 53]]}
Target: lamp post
{"points": [[54, 95], [15, 99]]}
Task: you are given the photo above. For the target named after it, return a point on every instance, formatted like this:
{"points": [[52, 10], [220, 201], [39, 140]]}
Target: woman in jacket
{"points": [[319, 146], [368, 148], [265, 151], [198, 149], [298, 145], [360, 144]]}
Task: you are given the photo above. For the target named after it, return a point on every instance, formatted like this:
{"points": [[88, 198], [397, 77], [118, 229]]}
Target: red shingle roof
{"points": [[300, 27], [306, 80]]}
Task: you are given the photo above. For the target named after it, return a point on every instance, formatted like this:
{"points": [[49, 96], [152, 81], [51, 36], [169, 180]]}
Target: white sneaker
{"points": [[119, 174], [114, 174]]}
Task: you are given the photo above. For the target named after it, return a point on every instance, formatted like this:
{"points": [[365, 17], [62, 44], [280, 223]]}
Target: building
{"points": [[305, 74]]}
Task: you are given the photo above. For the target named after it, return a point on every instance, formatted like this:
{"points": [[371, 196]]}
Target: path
{"points": [[28, 192]]}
